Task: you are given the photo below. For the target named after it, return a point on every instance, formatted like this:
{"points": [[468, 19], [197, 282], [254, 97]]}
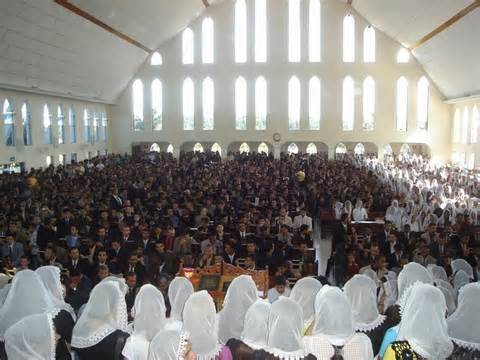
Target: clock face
{"points": [[276, 137]]}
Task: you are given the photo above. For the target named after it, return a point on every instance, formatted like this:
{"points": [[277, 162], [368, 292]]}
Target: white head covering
{"points": [[438, 272], [27, 296], [179, 291], [390, 290], [241, 294], [148, 312], [32, 338], [285, 327], [50, 276], [449, 299], [361, 291], [168, 345], [410, 274], [461, 278], [4, 279], [333, 316], [464, 323], [372, 275], [423, 322], [104, 313], [462, 264], [4, 293], [199, 320], [255, 327], [122, 285], [303, 293]]}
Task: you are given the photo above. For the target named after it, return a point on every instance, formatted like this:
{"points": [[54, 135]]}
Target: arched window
{"points": [[208, 95], [260, 104], [157, 105], [348, 113], [260, 31], [422, 103], [311, 149], [341, 149], [349, 38], [208, 41], [314, 103], [244, 148], [61, 159], [314, 31], [405, 149], [359, 149], [263, 148], [387, 150], [86, 126], [155, 148], [188, 47], [369, 104], [8, 123], [294, 31], [466, 115], [72, 124], [96, 127], [48, 160], [137, 90], [27, 124], [47, 125], [475, 123], [457, 126], [402, 104], [403, 56], [60, 125], [105, 127], [156, 59], [188, 104], [241, 104], [240, 31], [170, 149], [369, 45], [292, 149], [216, 148], [294, 103], [198, 147]]}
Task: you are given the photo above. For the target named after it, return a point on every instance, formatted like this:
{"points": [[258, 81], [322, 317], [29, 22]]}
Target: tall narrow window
{"points": [[47, 125], [240, 31], [402, 104], [465, 117], [60, 125], [403, 56], [294, 31], [157, 105], [457, 126], [311, 149], [96, 127], [369, 104], [8, 123], [475, 123], [348, 113], [188, 105], [241, 104], [294, 101], [156, 59], [208, 97], [292, 149], [188, 47], [263, 148], [105, 127], [198, 148], [369, 45], [216, 148], [86, 126], [314, 31], [422, 103], [72, 124], [314, 103], [260, 31], [359, 149], [137, 90], [170, 149], [244, 148], [349, 38], [208, 41], [27, 124], [260, 104]]}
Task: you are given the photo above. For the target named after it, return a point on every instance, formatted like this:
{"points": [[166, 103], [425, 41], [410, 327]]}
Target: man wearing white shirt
{"points": [[302, 219], [280, 289]]}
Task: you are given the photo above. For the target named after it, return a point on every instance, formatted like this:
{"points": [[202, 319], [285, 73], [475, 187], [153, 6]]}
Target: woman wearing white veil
{"points": [[101, 331], [460, 279], [149, 318], [361, 291], [449, 299], [464, 323], [333, 332], [462, 264], [438, 272], [304, 293], [179, 290], [171, 345], [241, 294], [423, 330]]}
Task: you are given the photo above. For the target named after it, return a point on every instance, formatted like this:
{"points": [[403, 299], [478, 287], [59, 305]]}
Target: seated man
{"points": [[280, 289]]}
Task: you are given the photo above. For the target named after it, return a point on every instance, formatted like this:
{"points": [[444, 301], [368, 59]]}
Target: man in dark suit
{"points": [[116, 201], [12, 250], [229, 254], [46, 234], [136, 267], [438, 248], [118, 257], [65, 223], [133, 288], [394, 259], [75, 262]]}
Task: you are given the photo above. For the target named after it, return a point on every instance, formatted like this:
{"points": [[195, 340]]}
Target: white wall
{"points": [[277, 72], [469, 151], [35, 155]]}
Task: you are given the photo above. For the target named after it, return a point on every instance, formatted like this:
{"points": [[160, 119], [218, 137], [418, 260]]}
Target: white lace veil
{"points": [[462, 264], [438, 272], [303, 293], [423, 322], [27, 296], [333, 316], [449, 299], [285, 328], [464, 323], [50, 276], [32, 338], [255, 327], [390, 289], [122, 285], [148, 312], [179, 291], [199, 320], [4, 279], [460, 279], [241, 294], [361, 291], [410, 274], [104, 313], [4, 293], [168, 345]]}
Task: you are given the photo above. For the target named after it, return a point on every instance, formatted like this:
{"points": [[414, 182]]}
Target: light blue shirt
{"points": [[390, 337]]}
